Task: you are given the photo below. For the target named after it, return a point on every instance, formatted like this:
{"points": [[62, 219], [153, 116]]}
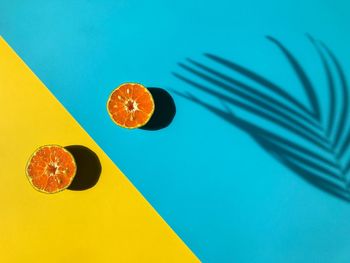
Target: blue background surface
{"points": [[226, 197]]}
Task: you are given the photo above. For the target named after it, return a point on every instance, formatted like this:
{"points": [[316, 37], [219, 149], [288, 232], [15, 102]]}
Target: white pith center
{"points": [[131, 106], [53, 168]]}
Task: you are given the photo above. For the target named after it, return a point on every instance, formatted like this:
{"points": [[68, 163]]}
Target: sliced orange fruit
{"points": [[130, 105], [51, 169]]}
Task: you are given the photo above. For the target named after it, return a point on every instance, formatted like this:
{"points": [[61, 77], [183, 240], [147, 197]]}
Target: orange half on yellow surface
{"points": [[51, 169]]}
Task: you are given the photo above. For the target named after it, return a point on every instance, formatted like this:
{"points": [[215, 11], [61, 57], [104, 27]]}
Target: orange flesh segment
{"points": [[131, 105], [51, 169]]}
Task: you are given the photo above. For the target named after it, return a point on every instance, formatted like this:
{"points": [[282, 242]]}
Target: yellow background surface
{"points": [[110, 222]]}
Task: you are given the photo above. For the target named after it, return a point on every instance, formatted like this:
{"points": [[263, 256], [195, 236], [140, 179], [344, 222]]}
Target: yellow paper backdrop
{"points": [[110, 222]]}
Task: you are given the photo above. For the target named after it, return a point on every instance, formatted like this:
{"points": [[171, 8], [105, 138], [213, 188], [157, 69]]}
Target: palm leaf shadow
{"points": [[326, 165]]}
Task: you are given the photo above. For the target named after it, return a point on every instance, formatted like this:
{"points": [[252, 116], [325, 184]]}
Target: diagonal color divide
{"points": [[110, 222]]}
